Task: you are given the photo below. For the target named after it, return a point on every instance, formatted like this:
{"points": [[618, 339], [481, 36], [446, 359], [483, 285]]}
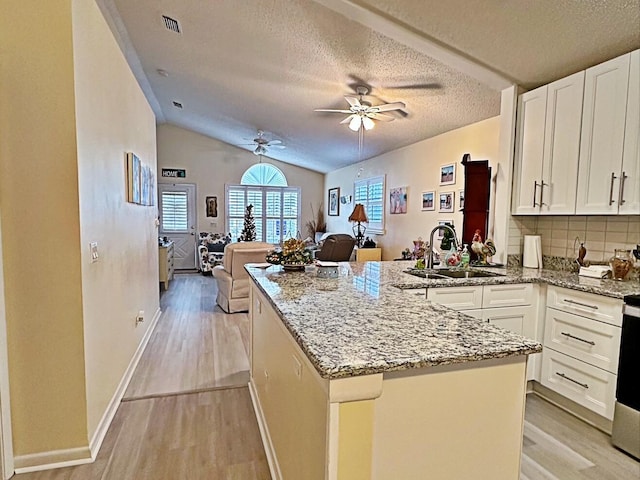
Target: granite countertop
{"points": [[611, 288], [360, 323]]}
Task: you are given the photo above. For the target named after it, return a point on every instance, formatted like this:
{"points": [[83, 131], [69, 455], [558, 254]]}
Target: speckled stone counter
{"points": [[395, 275], [360, 323]]}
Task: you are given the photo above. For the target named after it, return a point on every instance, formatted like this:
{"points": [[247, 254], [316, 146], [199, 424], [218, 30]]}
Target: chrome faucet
{"points": [[438, 227]]}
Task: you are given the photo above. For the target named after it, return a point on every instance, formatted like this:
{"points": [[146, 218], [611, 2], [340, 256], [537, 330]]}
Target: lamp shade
{"points": [[358, 214]]}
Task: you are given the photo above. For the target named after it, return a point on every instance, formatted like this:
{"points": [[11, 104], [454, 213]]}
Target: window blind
{"points": [[276, 211], [174, 211], [370, 193]]}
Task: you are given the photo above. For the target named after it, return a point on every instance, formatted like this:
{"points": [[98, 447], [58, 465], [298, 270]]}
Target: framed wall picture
{"points": [[334, 201], [212, 206], [398, 200], [448, 174], [428, 200], [133, 178], [446, 202], [461, 200]]}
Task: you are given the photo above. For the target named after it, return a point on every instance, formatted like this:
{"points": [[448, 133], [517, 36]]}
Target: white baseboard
{"points": [[53, 459], [110, 412], [78, 456], [270, 452]]}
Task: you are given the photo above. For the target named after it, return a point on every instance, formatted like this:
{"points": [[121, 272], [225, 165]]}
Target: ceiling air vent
{"points": [[177, 104], [171, 24]]}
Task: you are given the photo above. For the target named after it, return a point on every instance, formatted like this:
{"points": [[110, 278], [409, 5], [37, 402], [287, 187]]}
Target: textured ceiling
{"points": [[239, 66]]}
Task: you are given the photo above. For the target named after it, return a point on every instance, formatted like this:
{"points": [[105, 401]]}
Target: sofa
{"points": [[233, 279], [336, 247], [211, 250]]}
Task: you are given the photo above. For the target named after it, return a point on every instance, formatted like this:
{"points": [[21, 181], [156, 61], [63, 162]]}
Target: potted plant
{"points": [[317, 226], [292, 256]]}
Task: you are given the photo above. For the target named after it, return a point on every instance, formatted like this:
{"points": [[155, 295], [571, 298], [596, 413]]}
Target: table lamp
{"points": [[359, 215]]}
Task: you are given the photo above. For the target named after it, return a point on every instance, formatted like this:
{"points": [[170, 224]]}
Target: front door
{"points": [[177, 203]]}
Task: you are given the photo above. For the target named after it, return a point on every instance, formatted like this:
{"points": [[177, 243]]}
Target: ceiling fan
{"points": [[262, 144], [362, 114]]}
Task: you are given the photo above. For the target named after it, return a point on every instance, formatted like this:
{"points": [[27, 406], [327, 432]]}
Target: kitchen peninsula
{"points": [[352, 379]]}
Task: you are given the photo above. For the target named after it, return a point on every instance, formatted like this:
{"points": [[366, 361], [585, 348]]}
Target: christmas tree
{"points": [[249, 230]]}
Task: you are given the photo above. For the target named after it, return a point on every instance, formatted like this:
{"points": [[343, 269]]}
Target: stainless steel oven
{"points": [[626, 420]]}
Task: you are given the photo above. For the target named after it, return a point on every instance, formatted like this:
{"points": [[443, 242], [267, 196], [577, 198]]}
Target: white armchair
{"points": [[232, 278]]}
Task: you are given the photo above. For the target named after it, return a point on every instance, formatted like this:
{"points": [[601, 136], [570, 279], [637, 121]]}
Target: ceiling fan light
{"points": [[367, 123], [355, 123]]}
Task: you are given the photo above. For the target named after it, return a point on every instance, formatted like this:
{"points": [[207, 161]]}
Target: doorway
{"points": [[177, 204]]}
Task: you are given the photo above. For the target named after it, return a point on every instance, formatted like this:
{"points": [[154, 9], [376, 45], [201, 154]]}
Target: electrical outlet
{"points": [[140, 317]]}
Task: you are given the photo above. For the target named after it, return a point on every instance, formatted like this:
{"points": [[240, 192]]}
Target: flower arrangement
{"points": [[293, 252]]}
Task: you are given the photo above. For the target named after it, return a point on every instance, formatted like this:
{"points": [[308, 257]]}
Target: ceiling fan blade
{"points": [[273, 142], [416, 86], [276, 146], [331, 110], [381, 116], [388, 106], [348, 119], [353, 101]]}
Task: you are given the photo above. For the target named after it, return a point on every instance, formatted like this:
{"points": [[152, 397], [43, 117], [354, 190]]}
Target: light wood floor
{"points": [[161, 432], [195, 346], [558, 446]]}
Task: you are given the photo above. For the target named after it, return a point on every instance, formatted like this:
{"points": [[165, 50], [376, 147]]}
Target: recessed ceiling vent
{"points": [[171, 24], [177, 104]]}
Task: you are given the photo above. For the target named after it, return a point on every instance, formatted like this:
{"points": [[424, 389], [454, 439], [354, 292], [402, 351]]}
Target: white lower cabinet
{"points": [[585, 384], [513, 307], [582, 344]]}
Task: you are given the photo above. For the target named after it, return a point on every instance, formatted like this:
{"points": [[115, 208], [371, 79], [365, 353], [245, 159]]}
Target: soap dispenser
{"points": [[465, 256]]}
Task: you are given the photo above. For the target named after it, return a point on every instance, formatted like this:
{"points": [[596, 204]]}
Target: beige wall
{"points": [[112, 117], [66, 118], [210, 164], [40, 219], [417, 167]]}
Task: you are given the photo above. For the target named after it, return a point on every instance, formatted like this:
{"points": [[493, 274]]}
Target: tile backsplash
{"points": [[601, 235]]}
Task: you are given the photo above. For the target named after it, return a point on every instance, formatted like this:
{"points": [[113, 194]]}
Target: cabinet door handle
{"points": [[613, 177], [535, 190], [583, 385], [621, 196], [568, 335], [595, 307], [542, 184]]}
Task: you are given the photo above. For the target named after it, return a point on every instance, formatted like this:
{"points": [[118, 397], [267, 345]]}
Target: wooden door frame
{"points": [[6, 443]]}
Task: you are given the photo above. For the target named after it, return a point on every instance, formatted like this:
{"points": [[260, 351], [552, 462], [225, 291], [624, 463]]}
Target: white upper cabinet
{"points": [[603, 182], [629, 192], [548, 147]]}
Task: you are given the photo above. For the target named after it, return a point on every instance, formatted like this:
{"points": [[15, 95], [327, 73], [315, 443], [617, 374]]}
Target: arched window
{"points": [[276, 206], [264, 174]]}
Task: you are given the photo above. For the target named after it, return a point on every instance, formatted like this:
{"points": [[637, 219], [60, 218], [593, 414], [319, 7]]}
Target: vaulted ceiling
{"points": [[237, 66]]}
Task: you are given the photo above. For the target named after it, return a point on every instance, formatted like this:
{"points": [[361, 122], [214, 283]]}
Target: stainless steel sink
{"points": [[446, 273], [467, 274]]}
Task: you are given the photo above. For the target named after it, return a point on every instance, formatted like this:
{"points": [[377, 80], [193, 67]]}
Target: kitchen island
{"points": [[352, 380]]}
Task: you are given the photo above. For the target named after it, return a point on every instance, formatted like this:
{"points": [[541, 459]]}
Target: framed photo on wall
{"points": [[446, 202], [461, 200], [334, 201], [429, 200], [398, 200], [212, 206], [448, 174]]}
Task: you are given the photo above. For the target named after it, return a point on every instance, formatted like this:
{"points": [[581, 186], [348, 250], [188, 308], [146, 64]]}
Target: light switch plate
{"points": [[93, 248]]}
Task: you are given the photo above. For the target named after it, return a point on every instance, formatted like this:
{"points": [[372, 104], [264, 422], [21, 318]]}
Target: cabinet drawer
{"points": [[593, 342], [507, 295], [596, 307], [458, 298], [585, 384]]}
